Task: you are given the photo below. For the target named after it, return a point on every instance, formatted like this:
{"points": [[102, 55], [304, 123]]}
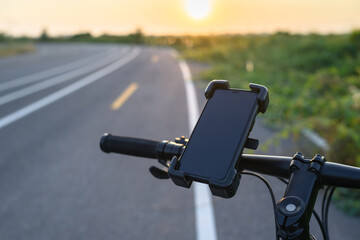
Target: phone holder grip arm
{"points": [[263, 96], [263, 93]]}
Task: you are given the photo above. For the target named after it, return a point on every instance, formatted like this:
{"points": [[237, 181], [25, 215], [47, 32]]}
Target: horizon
{"points": [[178, 17], [60, 36]]}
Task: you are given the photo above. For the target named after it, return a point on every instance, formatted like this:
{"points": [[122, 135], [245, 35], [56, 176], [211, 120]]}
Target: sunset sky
{"points": [[178, 16]]}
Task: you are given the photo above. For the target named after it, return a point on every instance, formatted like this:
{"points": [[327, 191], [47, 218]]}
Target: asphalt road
{"points": [[55, 183]]}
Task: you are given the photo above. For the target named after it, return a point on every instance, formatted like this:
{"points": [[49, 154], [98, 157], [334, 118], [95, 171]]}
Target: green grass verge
{"points": [[313, 80], [9, 49]]}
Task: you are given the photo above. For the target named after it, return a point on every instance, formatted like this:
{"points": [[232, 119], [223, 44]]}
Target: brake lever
{"points": [[158, 173]]}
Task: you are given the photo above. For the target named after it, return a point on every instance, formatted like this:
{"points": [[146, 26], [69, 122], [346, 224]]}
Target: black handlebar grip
{"points": [[128, 145]]}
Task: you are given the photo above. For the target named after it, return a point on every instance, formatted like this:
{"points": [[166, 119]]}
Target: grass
{"points": [[313, 80], [10, 49]]}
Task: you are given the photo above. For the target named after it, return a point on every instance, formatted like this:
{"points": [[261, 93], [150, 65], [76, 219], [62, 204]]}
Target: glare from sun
{"points": [[198, 9]]}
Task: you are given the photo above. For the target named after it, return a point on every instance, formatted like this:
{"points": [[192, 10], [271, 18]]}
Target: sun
{"points": [[198, 9]]}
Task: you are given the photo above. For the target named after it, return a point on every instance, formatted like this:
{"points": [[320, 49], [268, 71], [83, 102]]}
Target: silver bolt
{"points": [[290, 207]]}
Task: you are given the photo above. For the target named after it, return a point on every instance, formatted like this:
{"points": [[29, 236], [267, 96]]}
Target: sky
{"points": [[161, 17]]}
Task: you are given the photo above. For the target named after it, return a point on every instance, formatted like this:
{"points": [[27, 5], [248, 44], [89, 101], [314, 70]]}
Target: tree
{"points": [[137, 37], [44, 37]]}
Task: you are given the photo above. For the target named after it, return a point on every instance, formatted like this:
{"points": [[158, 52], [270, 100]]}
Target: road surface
{"points": [[55, 183]]}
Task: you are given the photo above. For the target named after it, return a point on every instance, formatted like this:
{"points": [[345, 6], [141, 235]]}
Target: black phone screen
{"points": [[219, 135]]}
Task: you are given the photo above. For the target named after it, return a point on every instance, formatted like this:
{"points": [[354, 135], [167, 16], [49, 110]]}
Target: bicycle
{"points": [[304, 178]]}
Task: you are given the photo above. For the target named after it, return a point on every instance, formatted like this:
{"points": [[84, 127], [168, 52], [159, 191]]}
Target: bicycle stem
{"points": [[294, 210]]}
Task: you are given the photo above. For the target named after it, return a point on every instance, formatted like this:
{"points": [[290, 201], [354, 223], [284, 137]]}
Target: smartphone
{"points": [[213, 151]]}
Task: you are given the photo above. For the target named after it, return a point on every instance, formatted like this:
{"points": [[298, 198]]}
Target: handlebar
{"points": [[128, 145], [140, 147], [332, 174]]}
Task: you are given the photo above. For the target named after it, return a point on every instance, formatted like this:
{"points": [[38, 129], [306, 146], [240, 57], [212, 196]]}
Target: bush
{"points": [[348, 200], [314, 81]]}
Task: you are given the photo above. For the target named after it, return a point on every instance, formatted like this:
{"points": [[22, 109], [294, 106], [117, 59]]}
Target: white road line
{"points": [[57, 79], [49, 72], [68, 90], [316, 139], [204, 212]]}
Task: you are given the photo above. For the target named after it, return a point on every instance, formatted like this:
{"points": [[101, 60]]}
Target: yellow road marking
{"points": [[124, 96]]}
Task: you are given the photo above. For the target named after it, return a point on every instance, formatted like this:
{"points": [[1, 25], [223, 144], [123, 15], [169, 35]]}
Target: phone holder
{"points": [[226, 187]]}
